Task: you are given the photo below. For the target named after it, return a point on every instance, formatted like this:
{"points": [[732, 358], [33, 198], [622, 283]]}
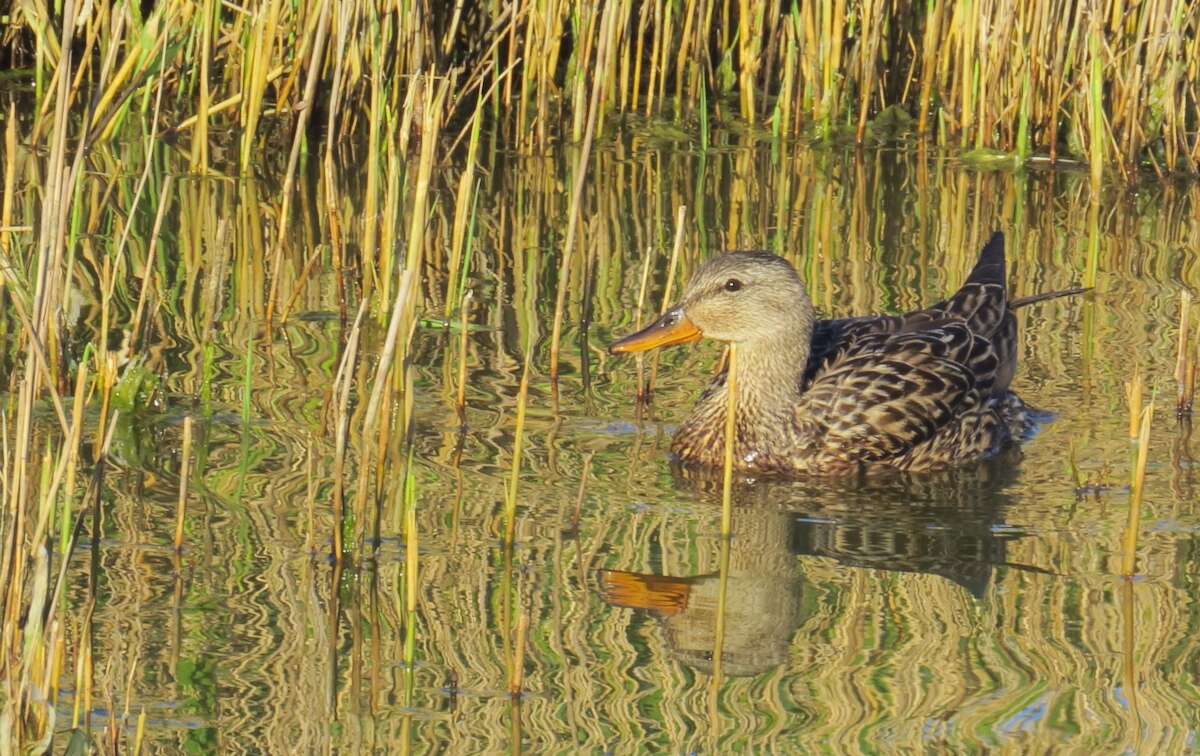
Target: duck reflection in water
{"points": [[948, 525]]}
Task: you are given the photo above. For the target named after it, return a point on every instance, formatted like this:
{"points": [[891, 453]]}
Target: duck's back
{"points": [[912, 391], [981, 304]]}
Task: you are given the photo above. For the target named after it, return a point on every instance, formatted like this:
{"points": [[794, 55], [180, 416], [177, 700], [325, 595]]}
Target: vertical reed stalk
{"points": [[641, 300], [460, 404], [341, 394], [181, 504], [1185, 369], [510, 502], [1137, 485], [306, 107], [147, 270], [581, 168], [731, 390], [672, 265]]}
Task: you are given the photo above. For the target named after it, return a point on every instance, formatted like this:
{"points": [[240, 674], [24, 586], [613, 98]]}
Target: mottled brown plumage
{"points": [[914, 392]]}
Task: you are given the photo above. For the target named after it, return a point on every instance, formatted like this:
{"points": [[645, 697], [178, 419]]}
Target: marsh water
{"points": [[981, 608]]}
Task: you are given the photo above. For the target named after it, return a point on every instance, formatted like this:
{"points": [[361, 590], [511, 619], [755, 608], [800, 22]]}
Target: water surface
{"points": [[975, 609]]}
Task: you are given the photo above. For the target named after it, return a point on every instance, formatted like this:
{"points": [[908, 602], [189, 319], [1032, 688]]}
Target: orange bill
{"points": [[658, 593], [672, 328]]}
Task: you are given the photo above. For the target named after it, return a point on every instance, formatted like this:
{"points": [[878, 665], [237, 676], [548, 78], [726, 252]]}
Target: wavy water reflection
{"points": [[977, 609]]}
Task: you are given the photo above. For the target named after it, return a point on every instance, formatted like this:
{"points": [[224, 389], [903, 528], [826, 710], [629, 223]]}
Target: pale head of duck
{"points": [[752, 299]]}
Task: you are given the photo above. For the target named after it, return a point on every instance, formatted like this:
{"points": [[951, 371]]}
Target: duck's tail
{"points": [[989, 269], [1035, 298]]}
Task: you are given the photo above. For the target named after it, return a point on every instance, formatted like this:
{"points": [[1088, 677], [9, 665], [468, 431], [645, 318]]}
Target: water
{"points": [[975, 609]]}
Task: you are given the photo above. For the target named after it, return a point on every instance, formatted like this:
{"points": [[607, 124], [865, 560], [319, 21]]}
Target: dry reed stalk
{"points": [[254, 79], [181, 504], [731, 397], [10, 182], [510, 500], [341, 394], [641, 301], [148, 268], [306, 107], [581, 167], [1137, 486], [412, 552], [1096, 132], [460, 403], [464, 208], [139, 736], [74, 440], [229, 103], [1185, 369], [672, 266], [199, 155]]}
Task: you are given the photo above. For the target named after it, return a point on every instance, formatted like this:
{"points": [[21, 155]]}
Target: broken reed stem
{"points": [[516, 678], [641, 301], [1129, 545], [460, 404], [730, 438], [181, 505], [1133, 394], [510, 503], [680, 216]]}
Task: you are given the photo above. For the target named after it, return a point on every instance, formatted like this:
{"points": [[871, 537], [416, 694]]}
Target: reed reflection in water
{"points": [[981, 608]]}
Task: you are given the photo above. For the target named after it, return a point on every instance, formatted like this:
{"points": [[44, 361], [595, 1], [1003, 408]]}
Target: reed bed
{"points": [[1110, 84]]}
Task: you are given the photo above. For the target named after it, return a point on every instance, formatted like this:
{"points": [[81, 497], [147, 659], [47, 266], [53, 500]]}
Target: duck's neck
{"points": [[768, 374]]}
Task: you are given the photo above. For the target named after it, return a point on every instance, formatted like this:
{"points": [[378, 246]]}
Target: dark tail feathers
{"points": [[990, 270], [990, 267]]}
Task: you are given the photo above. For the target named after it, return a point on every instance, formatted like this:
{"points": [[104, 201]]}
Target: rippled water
{"points": [[975, 609]]}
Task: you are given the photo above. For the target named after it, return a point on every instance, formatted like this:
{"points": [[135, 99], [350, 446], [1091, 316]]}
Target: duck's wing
{"points": [[890, 392], [981, 303]]}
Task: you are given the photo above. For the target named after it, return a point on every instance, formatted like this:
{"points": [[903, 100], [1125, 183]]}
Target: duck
{"points": [[920, 391]]}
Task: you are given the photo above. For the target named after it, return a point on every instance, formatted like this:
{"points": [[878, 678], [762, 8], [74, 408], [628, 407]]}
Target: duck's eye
{"points": [[733, 285]]}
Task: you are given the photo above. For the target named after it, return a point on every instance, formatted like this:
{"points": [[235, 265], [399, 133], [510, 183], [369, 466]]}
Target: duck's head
{"points": [[744, 298]]}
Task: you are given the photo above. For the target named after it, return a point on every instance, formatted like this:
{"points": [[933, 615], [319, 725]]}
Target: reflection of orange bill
{"points": [[665, 595], [672, 328]]}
